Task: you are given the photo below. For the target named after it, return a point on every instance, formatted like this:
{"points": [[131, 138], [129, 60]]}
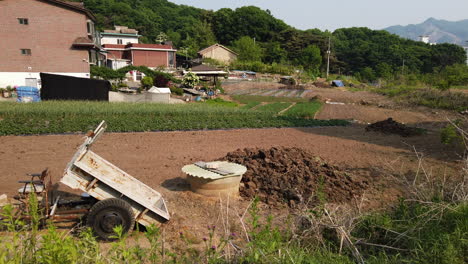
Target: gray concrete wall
{"points": [[139, 98]]}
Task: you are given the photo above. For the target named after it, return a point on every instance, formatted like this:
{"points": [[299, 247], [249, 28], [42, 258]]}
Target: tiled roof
{"points": [[83, 41], [213, 47], [203, 68]]}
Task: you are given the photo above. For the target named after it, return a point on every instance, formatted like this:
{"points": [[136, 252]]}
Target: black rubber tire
{"points": [[109, 213]]}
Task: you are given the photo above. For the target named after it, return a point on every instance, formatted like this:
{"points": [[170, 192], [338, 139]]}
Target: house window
{"points": [[26, 52], [139, 76], [90, 27], [119, 41], [171, 59], [92, 57], [23, 21]]}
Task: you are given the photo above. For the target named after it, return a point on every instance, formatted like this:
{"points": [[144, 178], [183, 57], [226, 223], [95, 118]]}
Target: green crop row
{"points": [[304, 110], [245, 99], [273, 107], [71, 117]]}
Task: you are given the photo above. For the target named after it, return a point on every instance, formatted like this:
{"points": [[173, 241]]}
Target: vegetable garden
{"points": [[71, 117]]}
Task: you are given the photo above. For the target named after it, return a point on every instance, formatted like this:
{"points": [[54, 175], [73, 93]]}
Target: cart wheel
{"points": [[109, 213]]}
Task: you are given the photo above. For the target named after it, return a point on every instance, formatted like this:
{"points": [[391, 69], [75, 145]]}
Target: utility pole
{"points": [[403, 68], [328, 56]]}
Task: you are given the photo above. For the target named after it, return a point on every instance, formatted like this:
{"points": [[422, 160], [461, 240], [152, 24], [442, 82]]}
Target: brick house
{"points": [[149, 55], [52, 36], [218, 52]]}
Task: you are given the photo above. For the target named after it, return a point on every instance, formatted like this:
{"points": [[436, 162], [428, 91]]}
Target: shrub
{"points": [[177, 90], [147, 82]]}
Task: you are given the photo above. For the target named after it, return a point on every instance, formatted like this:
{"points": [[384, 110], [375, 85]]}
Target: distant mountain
{"points": [[439, 31]]}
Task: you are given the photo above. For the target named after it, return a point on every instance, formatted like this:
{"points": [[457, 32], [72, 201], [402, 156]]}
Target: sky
{"points": [[333, 14]]}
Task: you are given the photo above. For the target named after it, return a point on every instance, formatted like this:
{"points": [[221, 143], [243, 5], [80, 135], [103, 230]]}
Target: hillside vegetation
{"points": [[354, 50]]}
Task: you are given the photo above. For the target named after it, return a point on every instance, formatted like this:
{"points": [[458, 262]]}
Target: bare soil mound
{"points": [[390, 126], [293, 176]]}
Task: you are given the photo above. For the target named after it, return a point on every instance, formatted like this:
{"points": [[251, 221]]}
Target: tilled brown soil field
{"points": [[157, 158]]}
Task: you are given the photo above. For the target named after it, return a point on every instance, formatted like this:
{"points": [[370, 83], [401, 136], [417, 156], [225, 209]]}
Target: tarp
{"points": [[27, 94], [337, 83], [60, 87]]}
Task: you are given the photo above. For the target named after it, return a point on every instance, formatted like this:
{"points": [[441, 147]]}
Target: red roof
{"points": [[113, 46], [148, 46]]}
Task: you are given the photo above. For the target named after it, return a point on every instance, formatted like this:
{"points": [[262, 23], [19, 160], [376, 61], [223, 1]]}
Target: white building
{"points": [[424, 39], [119, 36]]}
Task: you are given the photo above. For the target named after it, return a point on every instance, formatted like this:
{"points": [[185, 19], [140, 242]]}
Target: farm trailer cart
{"points": [[122, 199], [112, 197]]}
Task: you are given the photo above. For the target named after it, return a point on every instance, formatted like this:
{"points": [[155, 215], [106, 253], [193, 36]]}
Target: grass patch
{"points": [[433, 98], [221, 102], [78, 116], [460, 87], [356, 89], [304, 110], [426, 233], [273, 107], [430, 97], [245, 99], [250, 105]]}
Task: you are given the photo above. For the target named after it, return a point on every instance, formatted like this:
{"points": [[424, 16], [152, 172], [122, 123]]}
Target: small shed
{"points": [[208, 73], [159, 90]]}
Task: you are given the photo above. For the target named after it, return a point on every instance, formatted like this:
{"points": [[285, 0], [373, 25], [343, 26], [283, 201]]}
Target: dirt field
{"points": [[157, 158], [363, 107]]}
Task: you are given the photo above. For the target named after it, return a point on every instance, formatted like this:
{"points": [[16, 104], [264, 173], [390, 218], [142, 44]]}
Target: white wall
{"points": [[19, 78], [139, 98], [113, 40]]}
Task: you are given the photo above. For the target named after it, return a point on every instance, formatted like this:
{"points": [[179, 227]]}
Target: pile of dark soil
{"points": [[390, 126], [293, 176]]}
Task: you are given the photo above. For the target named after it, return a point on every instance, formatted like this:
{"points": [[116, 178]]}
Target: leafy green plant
{"points": [[190, 80]]}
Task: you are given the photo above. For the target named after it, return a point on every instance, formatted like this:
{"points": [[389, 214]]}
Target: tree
{"points": [[310, 58], [247, 49], [383, 70], [367, 74], [453, 75], [274, 52], [162, 37]]}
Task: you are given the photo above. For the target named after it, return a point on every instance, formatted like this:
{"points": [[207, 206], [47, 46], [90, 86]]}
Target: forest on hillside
{"points": [[259, 37]]}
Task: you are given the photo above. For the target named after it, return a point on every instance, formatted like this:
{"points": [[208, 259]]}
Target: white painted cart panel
{"points": [[101, 179]]}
